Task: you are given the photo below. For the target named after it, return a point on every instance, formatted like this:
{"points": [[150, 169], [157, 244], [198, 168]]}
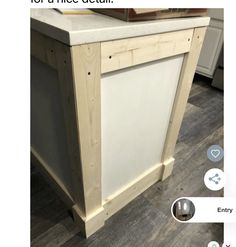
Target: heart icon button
{"points": [[215, 153]]}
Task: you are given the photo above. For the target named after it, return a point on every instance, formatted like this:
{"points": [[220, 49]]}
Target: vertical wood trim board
{"points": [[87, 70], [182, 93], [66, 82]]}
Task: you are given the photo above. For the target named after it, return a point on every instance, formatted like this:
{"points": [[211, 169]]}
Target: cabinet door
{"points": [[211, 48]]}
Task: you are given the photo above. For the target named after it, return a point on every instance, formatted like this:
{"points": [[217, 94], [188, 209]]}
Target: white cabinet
{"points": [[212, 44]]}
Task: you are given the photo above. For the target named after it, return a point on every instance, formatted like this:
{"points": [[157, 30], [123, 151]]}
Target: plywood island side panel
{"points": [[48, 134], [106, 109]]}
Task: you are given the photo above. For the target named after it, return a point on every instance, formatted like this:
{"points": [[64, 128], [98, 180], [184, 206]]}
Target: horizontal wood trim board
{"points": [[52, 178], [43, 48], [124, 53], [125, 195]]}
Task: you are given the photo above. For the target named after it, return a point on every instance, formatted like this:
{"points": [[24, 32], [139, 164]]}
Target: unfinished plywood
{"points": [[136, 106]]}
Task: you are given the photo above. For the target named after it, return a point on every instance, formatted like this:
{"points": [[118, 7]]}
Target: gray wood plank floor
{"points": [[146, 221]]}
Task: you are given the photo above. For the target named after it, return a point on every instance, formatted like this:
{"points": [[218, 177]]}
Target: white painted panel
{"points": [[48, 134], [136, 106], [209, 48]]}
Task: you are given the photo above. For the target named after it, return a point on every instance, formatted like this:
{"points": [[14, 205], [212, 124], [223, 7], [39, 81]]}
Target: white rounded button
{"points": [[213, 244], [214, 179]]}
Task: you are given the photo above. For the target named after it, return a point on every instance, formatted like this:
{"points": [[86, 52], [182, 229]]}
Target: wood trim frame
{"points": [[119, 54], [79, 70]]}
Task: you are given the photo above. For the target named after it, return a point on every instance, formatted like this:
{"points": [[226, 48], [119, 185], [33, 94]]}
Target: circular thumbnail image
{"points": [[183, 209]]}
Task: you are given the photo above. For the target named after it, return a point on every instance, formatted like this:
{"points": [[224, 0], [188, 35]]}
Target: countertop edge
{"points": [[77, 39], [50, 31], [73, 38]]}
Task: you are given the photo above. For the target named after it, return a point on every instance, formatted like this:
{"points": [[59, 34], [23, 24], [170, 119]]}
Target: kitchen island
{"points": [[107, 102]]}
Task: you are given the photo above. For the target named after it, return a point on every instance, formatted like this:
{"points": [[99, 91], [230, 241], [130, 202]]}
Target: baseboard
{"points": [[122, 197], [91, 223], [167, 168]]}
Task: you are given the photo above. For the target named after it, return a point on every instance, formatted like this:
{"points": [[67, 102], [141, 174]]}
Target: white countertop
{"points": [[81, 29]]}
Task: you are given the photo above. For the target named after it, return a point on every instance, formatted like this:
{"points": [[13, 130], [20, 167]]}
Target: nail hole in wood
{"points": [[89, 73], [110, 57], [188, 39], [51, 51], [198, 37]]}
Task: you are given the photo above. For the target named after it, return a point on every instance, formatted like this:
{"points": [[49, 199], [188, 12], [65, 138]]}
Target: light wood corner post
{"points": [[181, 98]]}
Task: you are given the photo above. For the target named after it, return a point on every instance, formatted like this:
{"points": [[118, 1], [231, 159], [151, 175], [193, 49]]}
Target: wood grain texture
{"points": [[146, 221], [86, 69], [124, 53], [183, 90], [167, 168]]}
